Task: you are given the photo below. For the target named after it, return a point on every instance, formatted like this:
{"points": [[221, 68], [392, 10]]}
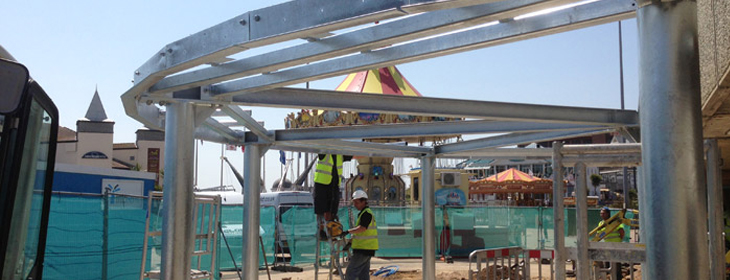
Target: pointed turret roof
{"points": [[96, 112]]}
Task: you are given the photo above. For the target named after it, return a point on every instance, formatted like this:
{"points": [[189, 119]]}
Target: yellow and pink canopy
{"points": [[386, 80]]}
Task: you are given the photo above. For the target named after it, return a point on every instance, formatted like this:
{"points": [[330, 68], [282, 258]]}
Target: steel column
{"points": [[558, 213], [581, 213], [674, 212], [428, 200], [714, 208], [251, 211], [178, 200]]}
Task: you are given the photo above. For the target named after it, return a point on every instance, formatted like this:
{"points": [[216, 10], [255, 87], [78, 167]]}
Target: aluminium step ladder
{"points": [[206, 218], [339, 253]]}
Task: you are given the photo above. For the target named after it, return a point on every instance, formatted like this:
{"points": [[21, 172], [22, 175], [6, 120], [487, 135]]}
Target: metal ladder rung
{"points": [[207, 240]]}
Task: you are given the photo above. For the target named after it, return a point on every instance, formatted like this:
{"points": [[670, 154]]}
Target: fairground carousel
{"points": [[375, 174], [513, 186]]}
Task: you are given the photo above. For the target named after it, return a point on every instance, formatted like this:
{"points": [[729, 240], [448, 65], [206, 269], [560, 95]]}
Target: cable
{"points": [[387, 271]]}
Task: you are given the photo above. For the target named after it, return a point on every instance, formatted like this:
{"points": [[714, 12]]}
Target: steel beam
{"points": [[430, 106], [612, 252], [673, 207], [714, 209], [573, 18], [428, 202], [251, 211], [511, 139], [581, 218], [283, 22], [246, 120], [226, 132], [420, 129], [365, 39], [178, 236], [278, 23], [353, 148], [558, 211], [593, 149]]}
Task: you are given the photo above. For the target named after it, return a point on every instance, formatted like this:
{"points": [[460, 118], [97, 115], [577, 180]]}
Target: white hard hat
{"points": [[358, 194]]}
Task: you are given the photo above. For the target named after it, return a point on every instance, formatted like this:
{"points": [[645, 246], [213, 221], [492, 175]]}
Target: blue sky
{"points": [[73, 46]]}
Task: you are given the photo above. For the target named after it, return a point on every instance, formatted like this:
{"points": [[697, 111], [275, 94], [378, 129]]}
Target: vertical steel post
{"points": [[581, 213], [714, 208], [558, 212], [178, 200], [428, 200], [675, 212], [251, 211]]}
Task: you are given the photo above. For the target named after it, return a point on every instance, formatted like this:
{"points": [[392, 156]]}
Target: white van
{"points": [[282, 202]]}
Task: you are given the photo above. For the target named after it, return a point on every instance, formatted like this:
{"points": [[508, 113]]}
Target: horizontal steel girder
{"points": [[365, 39], [512, 139], [560, 21], [249, 122], [367, 149], [419, 129], [428, 106]]}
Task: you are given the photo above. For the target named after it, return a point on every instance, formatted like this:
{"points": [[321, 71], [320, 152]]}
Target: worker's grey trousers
{"points": [[358, 268]]}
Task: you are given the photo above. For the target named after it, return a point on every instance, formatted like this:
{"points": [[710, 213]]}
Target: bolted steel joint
{"points": [[256, 17]]}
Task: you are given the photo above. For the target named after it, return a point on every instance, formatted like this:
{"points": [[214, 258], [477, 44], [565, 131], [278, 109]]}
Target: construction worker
{"points": [[327, 188], [616, 236], [364, 239]]}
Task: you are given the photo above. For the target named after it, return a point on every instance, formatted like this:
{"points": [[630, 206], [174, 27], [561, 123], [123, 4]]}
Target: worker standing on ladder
{"points": [[364, 239], [615, 236], [327, 188]]}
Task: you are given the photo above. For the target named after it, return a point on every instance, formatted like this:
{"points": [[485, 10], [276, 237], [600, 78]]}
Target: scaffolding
{"points": [[670, 118]]}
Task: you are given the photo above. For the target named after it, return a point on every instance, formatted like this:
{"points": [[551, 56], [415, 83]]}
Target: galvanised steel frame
{"points": [[193, 77]]}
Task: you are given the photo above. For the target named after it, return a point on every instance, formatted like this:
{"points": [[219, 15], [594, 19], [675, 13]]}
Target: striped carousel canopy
{"points": [[510, 175], [510, 181], [385, 80]]}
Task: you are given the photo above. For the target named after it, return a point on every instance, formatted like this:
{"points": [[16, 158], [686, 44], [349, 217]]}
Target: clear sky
{"points": [[72, 47]]}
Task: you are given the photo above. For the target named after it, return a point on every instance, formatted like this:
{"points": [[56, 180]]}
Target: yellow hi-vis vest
{"points": [[368, 239], [614, 236], [323, 173]]}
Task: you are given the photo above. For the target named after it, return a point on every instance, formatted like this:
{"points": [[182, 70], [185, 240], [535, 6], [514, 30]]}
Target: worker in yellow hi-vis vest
{"points": [[327, 188], [615, 236], [364, 239]]}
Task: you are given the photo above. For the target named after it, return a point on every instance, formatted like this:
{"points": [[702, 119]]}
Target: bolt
{"points": [[136, 72], [169, 50], [256, 17], [242, 22]]}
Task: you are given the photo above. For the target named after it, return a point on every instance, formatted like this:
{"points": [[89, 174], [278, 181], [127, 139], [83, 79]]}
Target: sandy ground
{"points": [[408, 269]]}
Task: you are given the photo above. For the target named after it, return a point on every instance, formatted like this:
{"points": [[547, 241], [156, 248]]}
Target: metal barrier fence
{"points": [[510, 263], [514, 263], [500, 263]]}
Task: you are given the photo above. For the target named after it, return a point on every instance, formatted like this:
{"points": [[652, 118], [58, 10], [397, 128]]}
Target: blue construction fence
{"points": [[93, 237]]}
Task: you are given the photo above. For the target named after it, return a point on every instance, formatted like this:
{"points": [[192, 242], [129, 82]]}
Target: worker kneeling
{"points": [[364, 239]]}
